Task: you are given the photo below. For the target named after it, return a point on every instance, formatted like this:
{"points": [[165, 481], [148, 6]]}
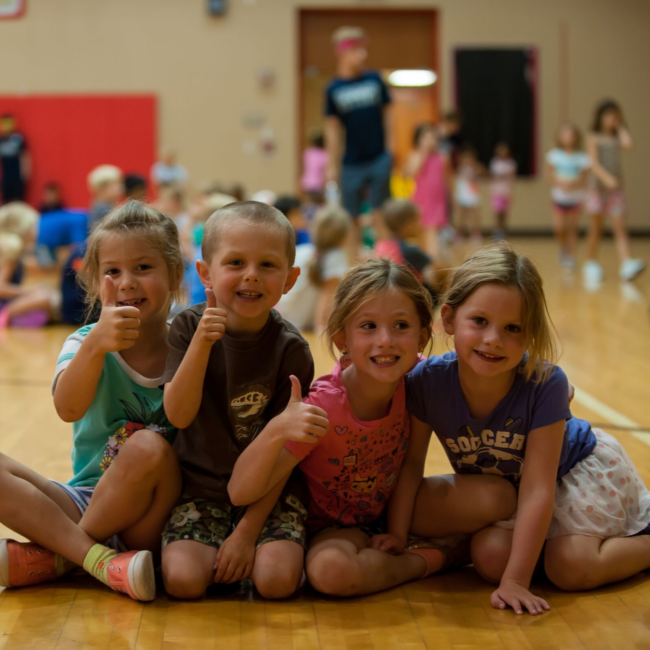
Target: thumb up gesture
{"points": [[299, 421], [213, 322], [118, 324]]}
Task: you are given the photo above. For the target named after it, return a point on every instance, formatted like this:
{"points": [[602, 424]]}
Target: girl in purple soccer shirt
{"points": [[500, 406]]}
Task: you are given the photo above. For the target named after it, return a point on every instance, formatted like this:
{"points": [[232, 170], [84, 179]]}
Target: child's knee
{"points": [[148, 451], [278, 570], [570, 568], [334, 572], [185, 575], [490, 553]]}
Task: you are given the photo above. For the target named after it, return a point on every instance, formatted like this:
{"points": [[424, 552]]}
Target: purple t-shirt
{"points": [[495, 444]]}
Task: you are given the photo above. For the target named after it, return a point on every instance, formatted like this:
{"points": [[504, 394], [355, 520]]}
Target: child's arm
{"points": [[624, 137], [534, 513], [117, 329], [402, 501], [265, 461], [332, 144], [609, 181], [184, 392], [236, 555], [414, 163]]}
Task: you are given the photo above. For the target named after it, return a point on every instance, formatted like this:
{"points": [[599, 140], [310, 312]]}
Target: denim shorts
{"points": [[81, 496], [373, 175]]}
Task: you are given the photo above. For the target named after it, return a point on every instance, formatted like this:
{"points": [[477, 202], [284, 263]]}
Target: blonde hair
{"points": [[577, 135], [133, 219], [253, 213], [347, 33], [499, 264], [18, 218], [397, 213], [11, 246], [364, 282], [331, 227], [102, 176]]}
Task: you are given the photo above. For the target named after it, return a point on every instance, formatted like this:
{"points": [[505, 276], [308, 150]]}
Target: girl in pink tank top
{"points": [[431, 172]]}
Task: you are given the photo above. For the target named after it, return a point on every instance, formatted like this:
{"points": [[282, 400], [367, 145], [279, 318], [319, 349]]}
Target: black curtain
{"points": [[496, 102]]}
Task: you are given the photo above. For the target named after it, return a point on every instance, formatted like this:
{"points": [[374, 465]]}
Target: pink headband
{"points": [[349, 43]]}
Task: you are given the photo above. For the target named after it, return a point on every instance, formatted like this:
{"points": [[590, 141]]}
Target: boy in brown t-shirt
{"points": [[228, 375]]}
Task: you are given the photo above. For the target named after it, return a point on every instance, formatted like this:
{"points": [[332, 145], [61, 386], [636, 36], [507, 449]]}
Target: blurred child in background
{"points": [[468, 196], [432, 174], [402, 219], [52, 201], [171, 202], [566, 169], [106, 184], [291, 208], [608, 136], [503, 170], [135, 187], [20, 305], [314, 164]]}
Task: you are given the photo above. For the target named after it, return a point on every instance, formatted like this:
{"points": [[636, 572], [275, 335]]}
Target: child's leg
{"points": [[621, 237], [280, 554], [278, 569], [41, 511], [491, 551], [340, 563], [461, 503], [137, 493], [559, 225], [593, 238], [34, 300], [188, 568], [572, 234], [579, 562]]}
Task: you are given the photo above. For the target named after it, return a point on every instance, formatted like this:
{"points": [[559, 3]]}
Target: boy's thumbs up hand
{"points": [[117, 328], [299, 421], [213, 322], [296, 390]]}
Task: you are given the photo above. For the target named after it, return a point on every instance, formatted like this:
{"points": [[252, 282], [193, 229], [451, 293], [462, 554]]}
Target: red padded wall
{"points": [[69, 135]]}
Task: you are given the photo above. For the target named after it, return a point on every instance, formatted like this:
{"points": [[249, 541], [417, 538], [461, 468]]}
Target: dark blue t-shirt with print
{"points": [[495, 444], [359, 104]]}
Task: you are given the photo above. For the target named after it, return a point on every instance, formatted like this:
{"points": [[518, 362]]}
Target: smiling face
{"points": [[139, 273], [249, 272], [384, 336], [487, 330]]}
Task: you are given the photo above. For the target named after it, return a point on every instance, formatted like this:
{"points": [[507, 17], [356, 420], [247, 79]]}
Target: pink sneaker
{"points": [[25, 563], [132, 573]]}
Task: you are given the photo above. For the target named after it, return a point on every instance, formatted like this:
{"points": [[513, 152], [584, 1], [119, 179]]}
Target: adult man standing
{"points": [[14, 159], [358, 101]]}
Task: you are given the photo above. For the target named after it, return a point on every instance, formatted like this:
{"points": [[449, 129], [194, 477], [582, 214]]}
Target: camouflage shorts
{"points": [[210, 523]]}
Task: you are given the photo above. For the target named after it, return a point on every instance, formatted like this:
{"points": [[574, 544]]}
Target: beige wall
{"points": [[204, 71]]}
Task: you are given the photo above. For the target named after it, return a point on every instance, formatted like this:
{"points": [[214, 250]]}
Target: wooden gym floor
{"points": [[606, 353]]}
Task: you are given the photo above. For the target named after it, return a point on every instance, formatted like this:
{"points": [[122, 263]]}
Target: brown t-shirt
{"points": [[246, 384]]}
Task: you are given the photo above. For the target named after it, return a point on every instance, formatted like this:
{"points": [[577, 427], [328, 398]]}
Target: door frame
{"points": [[349, 12]]}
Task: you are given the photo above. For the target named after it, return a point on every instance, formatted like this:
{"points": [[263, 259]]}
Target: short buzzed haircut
{"points": [[253, 213]]}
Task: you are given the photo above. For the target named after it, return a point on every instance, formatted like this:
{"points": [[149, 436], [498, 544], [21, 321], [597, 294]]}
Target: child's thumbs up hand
{"points": [[118, 325], [299, 421], [213, 322]]}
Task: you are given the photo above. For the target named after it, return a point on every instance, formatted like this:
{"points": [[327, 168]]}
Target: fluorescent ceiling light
{"points": [[412, 78]]}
